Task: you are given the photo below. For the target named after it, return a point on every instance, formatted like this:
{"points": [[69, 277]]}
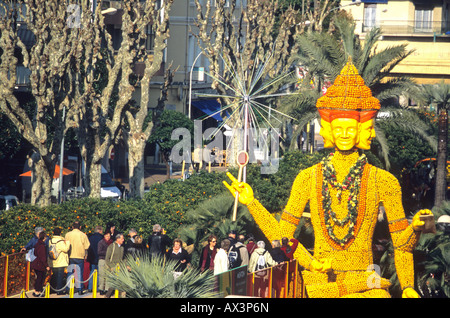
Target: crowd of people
{"points": [[237, 250], [80, 255]]}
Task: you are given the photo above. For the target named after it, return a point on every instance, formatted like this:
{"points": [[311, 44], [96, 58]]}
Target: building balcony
{"points": [[409, 28]]}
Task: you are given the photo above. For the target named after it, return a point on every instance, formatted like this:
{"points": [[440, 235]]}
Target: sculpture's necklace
{"points": [[351, 183]]}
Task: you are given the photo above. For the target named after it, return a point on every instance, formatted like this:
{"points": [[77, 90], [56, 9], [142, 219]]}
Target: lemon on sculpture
{"points": [[344, 193]]}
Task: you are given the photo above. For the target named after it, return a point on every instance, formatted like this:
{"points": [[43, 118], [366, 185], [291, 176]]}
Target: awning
{"points": [[374, 1], [66, 172], [209, 107]]}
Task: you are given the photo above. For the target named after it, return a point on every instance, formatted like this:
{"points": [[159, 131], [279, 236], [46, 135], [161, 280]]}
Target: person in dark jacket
{"points": [[136, 248], [277, 254], [208, 254], [132, 233], [92, 257], [40, 265], [101, 252], [180, 255], [111, 228], [280, 257], [158, 242], [32, 242]]}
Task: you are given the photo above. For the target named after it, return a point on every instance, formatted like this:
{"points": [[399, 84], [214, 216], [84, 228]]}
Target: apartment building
{"points": [[185, 55], [422, 24]]}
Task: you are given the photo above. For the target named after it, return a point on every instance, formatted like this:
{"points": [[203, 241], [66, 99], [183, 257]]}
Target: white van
{"points": [[109, 189], [8, 201]]}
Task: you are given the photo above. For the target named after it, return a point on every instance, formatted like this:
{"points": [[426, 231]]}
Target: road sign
{"points": [[242, 160]]}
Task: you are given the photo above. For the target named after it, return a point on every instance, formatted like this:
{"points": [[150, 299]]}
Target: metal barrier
{"points": [[70, 283], [17, 278], [15, 271], [281, 281]]}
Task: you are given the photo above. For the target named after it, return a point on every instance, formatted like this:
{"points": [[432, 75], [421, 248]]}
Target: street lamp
{"points": [[190, 83], [109, 11]]}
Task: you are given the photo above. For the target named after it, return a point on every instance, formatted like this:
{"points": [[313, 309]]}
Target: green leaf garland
{"points": [[352, 183]]}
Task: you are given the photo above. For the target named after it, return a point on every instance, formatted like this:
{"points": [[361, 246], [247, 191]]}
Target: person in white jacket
{"points": [[260, 251], [61, 262], [221, 263]]}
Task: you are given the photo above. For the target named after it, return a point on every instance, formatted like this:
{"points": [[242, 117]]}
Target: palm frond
{"points": [[441, 94], [366, 51], [143, 277], [350, 42], [407, 120], [381, 137], [381, 63], [320, 54], [393, 88]]}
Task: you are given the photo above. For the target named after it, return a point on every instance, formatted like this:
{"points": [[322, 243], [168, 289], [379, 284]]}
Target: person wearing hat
{"points": [[344, 192]]}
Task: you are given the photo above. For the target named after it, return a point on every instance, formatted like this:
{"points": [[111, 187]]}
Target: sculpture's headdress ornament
{"points": [[348, 97]]}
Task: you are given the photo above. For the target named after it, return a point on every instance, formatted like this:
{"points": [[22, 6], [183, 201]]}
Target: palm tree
{"points": [[439, 94], [323, 55], [144, 278]]}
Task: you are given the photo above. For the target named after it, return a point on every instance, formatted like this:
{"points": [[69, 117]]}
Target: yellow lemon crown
{"points": [[349, 93]]}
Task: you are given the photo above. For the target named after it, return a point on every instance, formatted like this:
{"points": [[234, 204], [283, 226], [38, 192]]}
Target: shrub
{"points": [[17, 225]]}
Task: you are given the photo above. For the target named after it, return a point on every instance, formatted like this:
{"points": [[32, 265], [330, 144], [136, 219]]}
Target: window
{"points": [[149, 41], [195, 56], [369, 16], [217, 2], [423, 19]]}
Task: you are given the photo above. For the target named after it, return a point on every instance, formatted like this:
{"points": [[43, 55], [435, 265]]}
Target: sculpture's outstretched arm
{"points": [[405, 236], [290, 218]]}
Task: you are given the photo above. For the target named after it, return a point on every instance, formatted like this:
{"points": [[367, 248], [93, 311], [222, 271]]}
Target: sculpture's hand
{"points": [[410, 293], [417, 223], [323, 265], [244, 190]]}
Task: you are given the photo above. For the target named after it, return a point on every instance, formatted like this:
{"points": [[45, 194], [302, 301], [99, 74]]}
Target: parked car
{"points": [[8, 201], [109, 189]]}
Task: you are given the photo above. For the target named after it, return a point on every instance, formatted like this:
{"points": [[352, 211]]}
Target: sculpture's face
{"points": [[325, 132], [345, 133], [366, 135]]}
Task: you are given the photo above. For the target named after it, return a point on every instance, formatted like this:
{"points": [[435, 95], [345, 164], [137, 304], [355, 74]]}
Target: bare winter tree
{"points": [[109, 100], [316, 12], [137, 118], [246, 38], [77, 79], [54, 52]]}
